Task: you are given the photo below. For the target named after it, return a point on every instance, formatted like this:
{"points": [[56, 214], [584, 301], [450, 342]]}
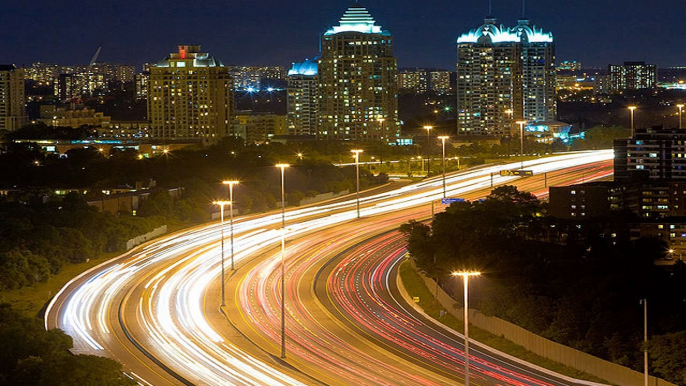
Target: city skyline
{"points": [[275, 33]]}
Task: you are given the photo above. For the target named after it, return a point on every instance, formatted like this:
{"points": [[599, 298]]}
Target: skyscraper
{"points": [[303, 117], [504, 75], [12, 98], [358, 80], [190, 96]]}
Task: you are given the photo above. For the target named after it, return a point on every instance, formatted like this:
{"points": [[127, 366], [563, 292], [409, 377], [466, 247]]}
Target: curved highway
{"points": [[156, 309]]}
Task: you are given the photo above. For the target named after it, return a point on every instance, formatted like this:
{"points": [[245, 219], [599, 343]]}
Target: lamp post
{"points": [[521, 141], [221, 211], [645, 341], [465, 278], [631, 109], [428, 151], [680, 106], [356, 153], [283, 259], [231, 185], [443, 138]]}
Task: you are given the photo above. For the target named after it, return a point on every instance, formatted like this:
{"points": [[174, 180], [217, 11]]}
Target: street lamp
{"points": [[443, 138], [631, 109], [231, 185], [221, 210], [428, 151], [680, 106], [356, 153], [521, 140], [465, 278], [283, 259]]}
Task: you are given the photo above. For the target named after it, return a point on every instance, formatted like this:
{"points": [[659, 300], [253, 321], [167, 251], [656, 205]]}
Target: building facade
{"points": [[632, 76], [12, 98], [504, 75], [190, 97], [421, 80], [303, 98], [654, 154], [357, 81], [258, 127]]}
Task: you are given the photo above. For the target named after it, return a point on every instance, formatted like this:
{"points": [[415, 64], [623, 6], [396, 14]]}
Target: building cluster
{"points": [[649, 182], [616, 79], [350, 91], [71, 82]]}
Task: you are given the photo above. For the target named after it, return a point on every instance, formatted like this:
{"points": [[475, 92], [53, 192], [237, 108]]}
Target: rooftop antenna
{"points": [[523, 9], [490, 8]]}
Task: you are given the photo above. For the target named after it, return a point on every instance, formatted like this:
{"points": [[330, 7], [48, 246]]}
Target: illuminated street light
{"points": [[680, 106], [631, 109], [283, 259], [231, 185], [521, 141], [356, 153], [443, 139], [465, 278], [428, 151], [300, 156], [221, 209]]}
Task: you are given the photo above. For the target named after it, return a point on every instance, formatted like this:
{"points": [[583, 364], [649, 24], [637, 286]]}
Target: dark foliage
{"points": [[31, 356]]}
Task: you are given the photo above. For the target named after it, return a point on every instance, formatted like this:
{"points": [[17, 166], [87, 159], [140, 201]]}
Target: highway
{"points": [[156, 309]]}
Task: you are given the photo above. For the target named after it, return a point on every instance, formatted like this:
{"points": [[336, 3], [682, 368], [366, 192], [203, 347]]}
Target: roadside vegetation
{"points": [[579, 285]]}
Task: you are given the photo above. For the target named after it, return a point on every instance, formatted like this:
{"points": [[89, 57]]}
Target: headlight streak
{"points": [[174, 294]]}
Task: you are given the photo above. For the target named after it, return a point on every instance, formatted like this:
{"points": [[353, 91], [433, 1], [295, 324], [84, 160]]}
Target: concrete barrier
{"points": [[138, 240]]}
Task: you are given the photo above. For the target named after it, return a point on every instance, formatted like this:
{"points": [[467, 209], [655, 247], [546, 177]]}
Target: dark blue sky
{"points": [[596, 32]]}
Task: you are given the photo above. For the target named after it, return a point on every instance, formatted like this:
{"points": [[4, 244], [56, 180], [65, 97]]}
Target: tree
{"points": [[30, 355], [668, 356]]}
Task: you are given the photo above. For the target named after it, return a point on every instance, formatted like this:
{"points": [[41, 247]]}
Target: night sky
{"points": [[246, 32]]}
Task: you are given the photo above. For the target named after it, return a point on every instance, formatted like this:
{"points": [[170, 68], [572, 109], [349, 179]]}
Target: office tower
{"points": [[302, 101], [504, 75], [12, 98], [632, 76], [358, 80], [190, 97]]}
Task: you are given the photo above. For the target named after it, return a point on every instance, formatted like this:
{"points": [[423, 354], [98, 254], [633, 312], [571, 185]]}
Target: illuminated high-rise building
{"points": [[12, 98], [302, 104], [632, 76], [358, 80], [190, 96], [504, 75]]}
